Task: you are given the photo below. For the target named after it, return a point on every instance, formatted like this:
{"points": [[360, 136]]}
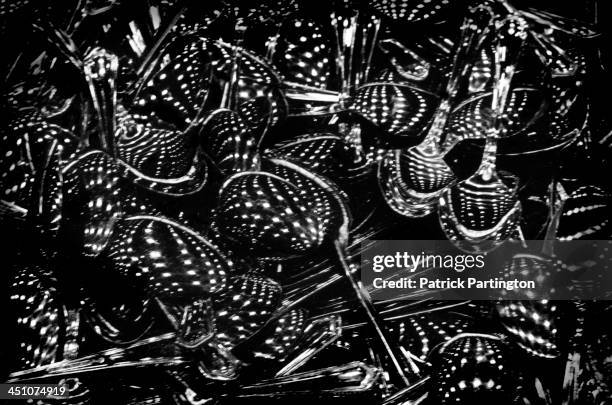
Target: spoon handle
{"points": [[474, 30], [557, 201], [512, 32], [346, 35], [372, 315], [101, 69], [229, 91], [356, 38], [369, 38]]}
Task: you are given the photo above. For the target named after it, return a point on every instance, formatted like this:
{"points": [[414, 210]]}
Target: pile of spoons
{"points": [[186, 189]]}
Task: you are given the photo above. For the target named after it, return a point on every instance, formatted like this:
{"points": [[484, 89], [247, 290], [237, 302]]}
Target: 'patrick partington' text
{"points": [[453, 283]]}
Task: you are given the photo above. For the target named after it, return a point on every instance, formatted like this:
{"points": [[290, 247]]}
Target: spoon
{"points": [[356, 36], [120, 318], [406, 62], [289, 212], [319, 334], [265, 214], [100, 68], [93, 200], [402, 110], [303, 53], [244, 76], [329, 155], [534, 325], [244, 307], [251, 104], [180, 84], [229, 142], [473, 365], [31, 185], [421, 334], [526, 105], [154, 138], [169, 260], [586, 214], [185, 274], [413, 180], [287, 332], [479, 213], [40, 317], [239, 309], [535, 322]]}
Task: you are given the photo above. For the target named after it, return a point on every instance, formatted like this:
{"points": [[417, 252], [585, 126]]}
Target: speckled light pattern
{"points": [[421, 334], [158, 151], [471, 368], [34, 152], [534, 325], [586, 215], [480, 209], [256, 78], [411, 10], [17, 177], [481, 73], [323, 197], [9, 8], [254, 72], [228, 141], [169, 260], [40, 315], [268, 11], [481, 205], [286, 333], [258, 115], [178, 88], [399, 110], [485, 207], [341, 169], [183, 215], [470, 120], [303, 53], [413, 180], [267, 214], [244, 307], [320, 153], [190, 182], [546, 271], [92, 181]]}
